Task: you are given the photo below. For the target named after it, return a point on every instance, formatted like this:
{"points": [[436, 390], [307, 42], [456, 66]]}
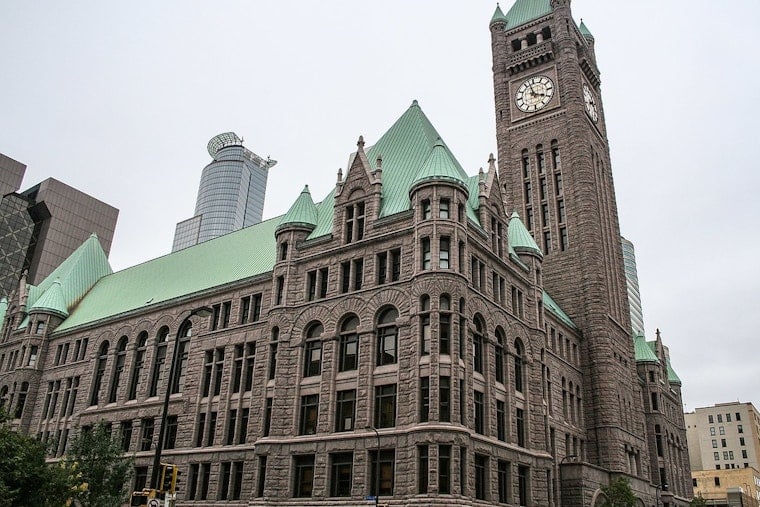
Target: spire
{"points": [[52, 301], [520, 239], [440, 165], [498, 17], [585, 31], [302, 213]]}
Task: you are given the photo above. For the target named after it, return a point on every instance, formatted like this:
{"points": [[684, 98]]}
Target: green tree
{"points": [[103, 473], [619, 494], [25, 477], [698, 501]]}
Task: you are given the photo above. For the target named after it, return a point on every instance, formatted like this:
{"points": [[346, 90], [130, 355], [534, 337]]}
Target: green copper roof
{"points": [[519, 237], [524, 11], [584, 30], [643, 351], [405, 148], [440, 165], [672, 377], [235, 256], [52, 301], [302, 212], [3, 310], [498, 16], [553, 307]]}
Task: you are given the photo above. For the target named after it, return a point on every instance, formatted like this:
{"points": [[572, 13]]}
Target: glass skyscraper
{"points": [[632, 280], [230, 195]]}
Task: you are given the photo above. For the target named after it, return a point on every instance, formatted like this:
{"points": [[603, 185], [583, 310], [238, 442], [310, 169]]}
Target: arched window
{"points": [[181, 354], [444, 327], [518, 366], [462, 329], [425, 325], [500, 342], [159, 360], [312, 350], [387, 337], [3, 396], [349, 344], [21, 400], [137, 365], [100, 370], [121, 358], [478, 342], [273, 352]]}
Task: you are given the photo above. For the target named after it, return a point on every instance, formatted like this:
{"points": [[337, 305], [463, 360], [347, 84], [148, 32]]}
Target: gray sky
{"points": [[119, 100]]}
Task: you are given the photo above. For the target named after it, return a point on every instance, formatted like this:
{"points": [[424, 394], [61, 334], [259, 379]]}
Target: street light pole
{"points": [[562, 462], [377, 460], [203, 311]]}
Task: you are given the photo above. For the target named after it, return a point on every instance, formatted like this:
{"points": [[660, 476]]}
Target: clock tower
{"points": [[555, 167]]}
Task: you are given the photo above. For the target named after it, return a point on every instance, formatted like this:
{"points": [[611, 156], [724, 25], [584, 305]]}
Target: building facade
{"points": [[409, 337], [724, 436], [43, 225], [230, 195], [735, 487]]}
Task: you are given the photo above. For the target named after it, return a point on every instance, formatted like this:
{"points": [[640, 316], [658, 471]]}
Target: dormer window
{"points": [[354, 222]]}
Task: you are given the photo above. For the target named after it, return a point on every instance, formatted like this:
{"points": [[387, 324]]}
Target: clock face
{"points": [[588, 99], [534, 94]]}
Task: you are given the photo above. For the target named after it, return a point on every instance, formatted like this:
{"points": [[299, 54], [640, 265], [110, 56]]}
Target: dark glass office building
{"points": [[230, 195]]}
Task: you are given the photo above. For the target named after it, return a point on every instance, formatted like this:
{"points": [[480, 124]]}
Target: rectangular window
{"points": [[463, 470], [256, 310], [231, 423], [385, 406], [443, 211], [383, 472], [224, 480], [479, 412], [716, 456], [504, 481], [522, 484], [563, 238], [444, 333], [481, 476], [126, 435], [312, 358], [267, 417], [423, 469], [218, 370], [561, 211], [720, 418], [304, 476], [558, 183], [426, 212], [237, 368], [444, 392], [345, 409], [424, 399], [226, 311], [250, 361], [322, 278], [547, 242], [382, 267], [722, 430], [741, 440], [262, 476], [501, 420], [311, 285], [171, 432], [542, 188], [245, 309], [280, 289], [738, 416], [211, 429], [444, 469], [739, 428], [147, 434], [341, 467], [443, 253], [425, 253], [358, 273], [345, 276], [462, 403], [309, 411], [395, 265], [272, 360], [710, 419], [527, 192], [243, 433], [655, 404], [192, 481], [714, 443], [520, 423]]}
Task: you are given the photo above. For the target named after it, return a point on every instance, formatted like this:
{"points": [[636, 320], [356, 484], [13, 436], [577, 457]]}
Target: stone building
{"points": [[409, 336]]}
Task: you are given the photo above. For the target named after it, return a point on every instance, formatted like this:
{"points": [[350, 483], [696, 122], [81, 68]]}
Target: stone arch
{"points": [[390, 296], [313, 313], [598, 499], [352, 304]]}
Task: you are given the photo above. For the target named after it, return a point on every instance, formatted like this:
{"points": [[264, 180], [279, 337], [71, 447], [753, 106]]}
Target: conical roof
{"points": [[52, 301], [643, 351], [303, 212], [523, 11], [498, 16], [519, 237], [672, 377], [440, 165], [404, 148], [585, 31]]}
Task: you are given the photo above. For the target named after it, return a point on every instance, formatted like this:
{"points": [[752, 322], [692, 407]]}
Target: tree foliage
{"points": [[619, 494], [698, 501], [25, 477], [102, 472]]}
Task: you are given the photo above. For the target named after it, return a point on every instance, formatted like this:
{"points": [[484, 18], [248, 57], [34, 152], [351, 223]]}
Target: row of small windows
{"points": [[382, 471], [444, 209], [531, 39], [722, 430], [19, 358], [711, 419]]}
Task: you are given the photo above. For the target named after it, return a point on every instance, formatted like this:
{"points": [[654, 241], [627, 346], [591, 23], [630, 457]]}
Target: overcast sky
{"points": [[119, 99]]}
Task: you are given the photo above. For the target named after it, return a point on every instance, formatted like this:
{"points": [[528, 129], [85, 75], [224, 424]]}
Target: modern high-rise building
{"points": [[43, 225], [230, 195], [408, 338], [632, 283]]}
